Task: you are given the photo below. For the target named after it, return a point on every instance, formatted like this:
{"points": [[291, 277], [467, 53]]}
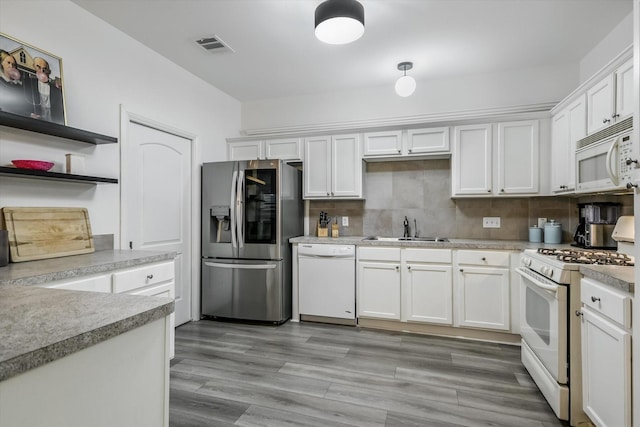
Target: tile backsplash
{"points": [[421, 191]]}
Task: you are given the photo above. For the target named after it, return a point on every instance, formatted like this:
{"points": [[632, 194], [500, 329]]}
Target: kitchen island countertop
{"points": [[40, 325]]}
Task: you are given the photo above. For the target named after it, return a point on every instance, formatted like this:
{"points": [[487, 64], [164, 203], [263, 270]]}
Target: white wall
{"points": [[104, 68], [618, 39], [505, 89]]}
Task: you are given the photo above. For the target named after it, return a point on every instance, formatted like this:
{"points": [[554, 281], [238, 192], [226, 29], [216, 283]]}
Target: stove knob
{"points": [[550, 273]]}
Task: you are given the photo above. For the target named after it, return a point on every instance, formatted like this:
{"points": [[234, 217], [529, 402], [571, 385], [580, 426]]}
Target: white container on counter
{"points": [[535, 234], [552, 232]]}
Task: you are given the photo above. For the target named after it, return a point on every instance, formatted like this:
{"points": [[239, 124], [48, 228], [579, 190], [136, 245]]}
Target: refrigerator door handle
{"points": [[241, 266], [240, 210], [232, 204]]}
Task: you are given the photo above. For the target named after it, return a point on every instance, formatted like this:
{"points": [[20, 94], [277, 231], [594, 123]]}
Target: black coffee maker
{"points": [[597, 221]]}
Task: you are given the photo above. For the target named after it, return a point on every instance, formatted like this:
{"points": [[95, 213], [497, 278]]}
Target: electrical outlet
{"points": [[345, 221], [491, 222], [542, 222]]}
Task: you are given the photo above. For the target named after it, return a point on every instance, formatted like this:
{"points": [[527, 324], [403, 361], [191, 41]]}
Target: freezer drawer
{"points": [[245, 290]]}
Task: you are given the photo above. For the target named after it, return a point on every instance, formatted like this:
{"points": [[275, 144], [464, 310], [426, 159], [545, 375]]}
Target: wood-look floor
{"points": [[309, 374]]}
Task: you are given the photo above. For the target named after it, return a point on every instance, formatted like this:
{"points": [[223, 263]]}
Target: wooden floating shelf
{"points": [[54, 129], [32, 173]]}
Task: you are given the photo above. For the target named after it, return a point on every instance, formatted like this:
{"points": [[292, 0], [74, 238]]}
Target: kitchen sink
{"points": [[407, 239]]}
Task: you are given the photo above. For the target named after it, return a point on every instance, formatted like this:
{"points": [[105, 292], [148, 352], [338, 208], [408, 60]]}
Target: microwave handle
{"points": [[612, 175]]}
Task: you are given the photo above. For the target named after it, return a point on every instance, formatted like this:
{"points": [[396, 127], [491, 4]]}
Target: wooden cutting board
{"points": [[39, 233]]}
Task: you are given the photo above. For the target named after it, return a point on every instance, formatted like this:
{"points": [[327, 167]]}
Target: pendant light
{"points": [[405, 85], [339, 21]]}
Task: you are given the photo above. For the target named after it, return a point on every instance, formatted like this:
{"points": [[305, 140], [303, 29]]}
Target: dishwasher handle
{"points": [[342, 256]]}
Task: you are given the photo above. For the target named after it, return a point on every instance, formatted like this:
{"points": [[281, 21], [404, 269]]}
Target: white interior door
{"points": [[156, 201]]}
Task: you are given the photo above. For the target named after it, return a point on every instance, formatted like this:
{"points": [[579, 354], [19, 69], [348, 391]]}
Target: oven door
{"points": [[543, 323]]}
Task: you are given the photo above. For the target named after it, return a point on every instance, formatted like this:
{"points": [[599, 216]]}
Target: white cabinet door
{"points": [[567, 127], [378, 290], [482, 298], [606, 371], [624, 90], [283, 148], [518, 158], [387, 143], [600, 104], [427, 293], [246, 150], [317, 167], [97, 283], [471, 160], [346, 165], [429, 140]]}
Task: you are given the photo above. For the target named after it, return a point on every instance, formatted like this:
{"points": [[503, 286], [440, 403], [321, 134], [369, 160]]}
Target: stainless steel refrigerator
{"points": [[250, 209]]}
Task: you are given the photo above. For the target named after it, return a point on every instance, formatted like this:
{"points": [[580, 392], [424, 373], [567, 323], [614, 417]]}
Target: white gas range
{"points": [[550, 328]]}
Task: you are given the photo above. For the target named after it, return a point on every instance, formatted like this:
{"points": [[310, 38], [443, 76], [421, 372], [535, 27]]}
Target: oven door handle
{"points": [[549, 288]]}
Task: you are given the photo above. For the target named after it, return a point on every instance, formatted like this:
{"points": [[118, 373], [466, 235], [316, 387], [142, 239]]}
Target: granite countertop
{"points": [[39, 325], [505, 245], [48, 270], [616, 276]]}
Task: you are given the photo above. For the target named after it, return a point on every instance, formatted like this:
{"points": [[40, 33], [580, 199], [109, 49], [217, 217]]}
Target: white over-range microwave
{"points": [[604, 160]]}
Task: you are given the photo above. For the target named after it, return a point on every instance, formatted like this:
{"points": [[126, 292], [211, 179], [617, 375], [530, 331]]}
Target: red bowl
{"points": [[33, 164]]}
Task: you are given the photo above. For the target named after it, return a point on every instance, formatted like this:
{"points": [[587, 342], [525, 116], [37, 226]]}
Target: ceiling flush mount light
{"points": [[405, 85], [339, 21]]}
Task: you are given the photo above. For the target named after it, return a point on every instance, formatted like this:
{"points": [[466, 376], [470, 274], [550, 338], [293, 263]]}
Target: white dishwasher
{"points": [[327, 283]]}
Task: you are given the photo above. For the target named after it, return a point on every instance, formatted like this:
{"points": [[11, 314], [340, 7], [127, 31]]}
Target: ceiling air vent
{"points": [[213, 44]]}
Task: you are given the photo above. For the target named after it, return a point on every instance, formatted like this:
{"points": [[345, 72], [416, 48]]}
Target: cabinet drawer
{"points": [[379, 254], [162, 290], [496, 259], [99, 283], [142, 276], [614, 304], [440, 256]]}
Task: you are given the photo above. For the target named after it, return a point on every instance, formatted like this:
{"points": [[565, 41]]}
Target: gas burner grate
{"points": [[581, 256]]}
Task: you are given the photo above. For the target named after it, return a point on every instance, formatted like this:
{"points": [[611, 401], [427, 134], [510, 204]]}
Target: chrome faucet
{"points": [[406, 227]]}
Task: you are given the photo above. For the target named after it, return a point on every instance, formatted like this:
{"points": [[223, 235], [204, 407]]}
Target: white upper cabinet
{"points": [[611, 99], [471, 160], [406, 144], [333, 167], [383, 144], [567, 127], [290, 149], [284, 148], [245, 150], [494, 160], [518, 157]]}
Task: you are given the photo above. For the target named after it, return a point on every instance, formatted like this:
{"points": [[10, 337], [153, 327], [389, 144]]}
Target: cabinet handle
{"points": [[149, 276], [397, 268], [410, 150], [502, 190], [606, 120], [579, 313], [484, 259], [488, 191], [615, 116], [461, 271], [327, 193], [595, 299], [399, 150], [408, 267]]}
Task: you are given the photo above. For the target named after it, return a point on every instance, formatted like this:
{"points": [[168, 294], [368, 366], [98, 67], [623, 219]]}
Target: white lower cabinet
{"points": [[93, 283], [153, 279], [411, 285], [606, 354], [379, 283], [482, 290], [427, 291]]}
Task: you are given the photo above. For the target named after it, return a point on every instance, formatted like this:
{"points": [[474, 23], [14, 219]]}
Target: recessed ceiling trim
{"points": [[213, 44]]}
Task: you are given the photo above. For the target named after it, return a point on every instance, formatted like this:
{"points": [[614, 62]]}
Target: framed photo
{"points": [[31, 82]]}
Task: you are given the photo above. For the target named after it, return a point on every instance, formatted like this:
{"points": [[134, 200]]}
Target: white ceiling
{"points": [[277, 55]]}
